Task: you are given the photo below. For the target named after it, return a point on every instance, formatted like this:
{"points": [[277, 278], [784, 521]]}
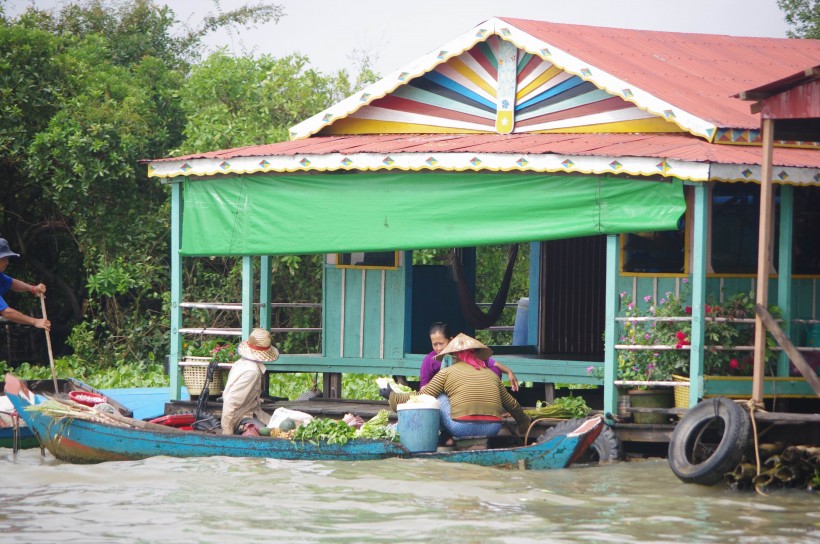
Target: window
{"points": [[369, 259], [659, 252], [806, 230], [735, 225]]}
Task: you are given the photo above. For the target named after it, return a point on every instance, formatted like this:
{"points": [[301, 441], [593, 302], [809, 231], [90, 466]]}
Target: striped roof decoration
{"points": [[517, 76], [496, 87]]}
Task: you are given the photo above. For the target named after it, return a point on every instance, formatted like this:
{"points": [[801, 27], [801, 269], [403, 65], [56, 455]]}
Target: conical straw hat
{"points": [[462, 342]]}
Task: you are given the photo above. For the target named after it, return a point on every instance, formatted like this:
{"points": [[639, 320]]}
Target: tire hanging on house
{"points": [[605, 449], [709, 441]]}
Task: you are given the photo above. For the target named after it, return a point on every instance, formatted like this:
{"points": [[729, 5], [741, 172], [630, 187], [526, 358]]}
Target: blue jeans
{"points": [[461, 429]]}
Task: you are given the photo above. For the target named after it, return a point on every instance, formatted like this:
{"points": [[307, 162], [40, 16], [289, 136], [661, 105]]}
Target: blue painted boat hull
{"points": [[81, 441]]}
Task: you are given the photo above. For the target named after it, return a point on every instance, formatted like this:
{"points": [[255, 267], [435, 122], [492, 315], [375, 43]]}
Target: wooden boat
{"points": [[22, 437], [79, 440]]}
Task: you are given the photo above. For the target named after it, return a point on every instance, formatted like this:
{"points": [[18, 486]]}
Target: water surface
{"points": [[226, 500]]}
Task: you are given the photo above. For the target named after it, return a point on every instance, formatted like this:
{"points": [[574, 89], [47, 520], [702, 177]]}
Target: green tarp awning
{"points": [[346, 212]]}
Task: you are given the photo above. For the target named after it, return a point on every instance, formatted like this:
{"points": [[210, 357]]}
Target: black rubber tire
{"points": [[605, 449], [696, 454]]}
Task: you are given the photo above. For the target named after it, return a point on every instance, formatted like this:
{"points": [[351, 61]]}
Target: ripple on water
{"points": [[251, 500]]}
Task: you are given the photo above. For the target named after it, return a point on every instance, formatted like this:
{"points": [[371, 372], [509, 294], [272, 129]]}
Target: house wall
{"points": [[363, 314]]}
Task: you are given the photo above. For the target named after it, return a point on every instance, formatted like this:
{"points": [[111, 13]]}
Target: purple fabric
{"points": [[430, 367], [5, 285]]}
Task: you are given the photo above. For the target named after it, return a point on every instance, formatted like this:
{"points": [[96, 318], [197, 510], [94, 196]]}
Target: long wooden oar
{"points": [[48, 341]]}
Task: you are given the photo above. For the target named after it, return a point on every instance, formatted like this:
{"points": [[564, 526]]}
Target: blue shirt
{"points": [[5, 285]]}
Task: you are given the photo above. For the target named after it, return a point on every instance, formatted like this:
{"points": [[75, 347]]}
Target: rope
{"points": [[202, 402], [752, 406], [532, 424]]}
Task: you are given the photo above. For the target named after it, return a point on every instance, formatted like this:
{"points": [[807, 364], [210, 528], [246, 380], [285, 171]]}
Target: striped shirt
{"points": [[472, 392]]}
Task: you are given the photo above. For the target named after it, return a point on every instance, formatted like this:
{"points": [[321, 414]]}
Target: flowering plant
{"points": [[224, 353], [722, 333], [672, 337], [216, 349]]}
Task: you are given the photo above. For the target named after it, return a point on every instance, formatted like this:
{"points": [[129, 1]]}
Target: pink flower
{"points": [[688, 310], [623, 294], [680, 335], [590, 370], [733, 363], [630, 305], [647, 298]]}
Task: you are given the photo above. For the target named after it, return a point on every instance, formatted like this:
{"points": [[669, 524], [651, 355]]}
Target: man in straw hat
{"points": [[241, 403], [7, 283], [471, 395]]}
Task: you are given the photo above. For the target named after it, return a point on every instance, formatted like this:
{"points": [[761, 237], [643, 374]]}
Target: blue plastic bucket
{"points": [[418, 426], [814, 335]]}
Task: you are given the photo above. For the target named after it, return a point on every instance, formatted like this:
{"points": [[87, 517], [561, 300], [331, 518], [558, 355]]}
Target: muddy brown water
{"points": [[227, 500]]}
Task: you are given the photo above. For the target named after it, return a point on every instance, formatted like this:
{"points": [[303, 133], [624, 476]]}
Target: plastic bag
{"points": [[281, 414]]}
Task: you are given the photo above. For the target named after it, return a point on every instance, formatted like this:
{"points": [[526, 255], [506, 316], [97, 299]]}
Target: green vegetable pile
{"points": [[376, 428], [328, 430], [563, 408]]}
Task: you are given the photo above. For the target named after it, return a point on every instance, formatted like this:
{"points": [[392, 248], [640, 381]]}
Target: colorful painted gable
{"points": [[497, 87]]}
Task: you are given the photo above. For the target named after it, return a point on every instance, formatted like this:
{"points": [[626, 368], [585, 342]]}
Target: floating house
{"points": [[622, 157]]}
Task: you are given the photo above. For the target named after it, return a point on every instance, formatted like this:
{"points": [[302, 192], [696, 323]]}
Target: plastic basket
{"points": [[681, 392], [194, 378]]}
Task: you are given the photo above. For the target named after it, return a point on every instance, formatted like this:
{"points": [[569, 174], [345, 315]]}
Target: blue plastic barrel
{"points": [[521, 326], [418, 427]]}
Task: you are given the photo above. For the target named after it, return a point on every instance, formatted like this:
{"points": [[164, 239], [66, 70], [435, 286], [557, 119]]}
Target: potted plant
{"points": [[195, 365], [723, 332]]}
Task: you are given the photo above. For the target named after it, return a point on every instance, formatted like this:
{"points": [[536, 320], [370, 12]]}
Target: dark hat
{"points": [[5, 250]]}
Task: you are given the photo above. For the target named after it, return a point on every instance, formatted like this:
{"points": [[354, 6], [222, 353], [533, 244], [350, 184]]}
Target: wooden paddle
{"points": [[48, 341]]}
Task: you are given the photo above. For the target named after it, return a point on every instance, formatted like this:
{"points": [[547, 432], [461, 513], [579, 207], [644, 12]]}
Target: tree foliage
{"points": [[803, 16]]}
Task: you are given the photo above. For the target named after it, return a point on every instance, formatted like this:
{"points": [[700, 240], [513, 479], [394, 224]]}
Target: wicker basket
{"points": [[681, 392], [194, 377]]}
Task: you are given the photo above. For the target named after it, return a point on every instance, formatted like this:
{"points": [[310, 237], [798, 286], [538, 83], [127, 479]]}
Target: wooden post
{"points": [[176, 290], [534, 294], [799, 362], [784, 269], [265, 292], [764, 258], [247, 295], [700, 243], [610, 330]]}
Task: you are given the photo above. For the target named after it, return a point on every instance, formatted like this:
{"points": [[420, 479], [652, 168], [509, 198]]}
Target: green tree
{"points": [[84, 94], [803, 16]]}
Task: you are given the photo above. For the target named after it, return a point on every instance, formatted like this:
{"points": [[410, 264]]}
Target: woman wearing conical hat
{"points": [[472, 397], [241, 401]]}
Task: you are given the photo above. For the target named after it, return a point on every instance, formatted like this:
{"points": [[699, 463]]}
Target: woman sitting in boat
{"points": [[439, 338], [241, 403], [472, 397]]}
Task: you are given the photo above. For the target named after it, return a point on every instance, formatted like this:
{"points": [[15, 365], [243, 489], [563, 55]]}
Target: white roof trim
{"points": [[492, 162]]}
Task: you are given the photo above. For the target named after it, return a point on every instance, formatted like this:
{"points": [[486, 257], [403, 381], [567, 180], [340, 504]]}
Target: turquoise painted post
{"points": [[535, 293], [700, 219], [247, 295], [784, 270], [611, 330], [265, 288], [408, 300], [176, 289]]}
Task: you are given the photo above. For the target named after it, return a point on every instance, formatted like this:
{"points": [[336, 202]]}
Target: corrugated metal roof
{"points": [[698, 73], [669, 146]]}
